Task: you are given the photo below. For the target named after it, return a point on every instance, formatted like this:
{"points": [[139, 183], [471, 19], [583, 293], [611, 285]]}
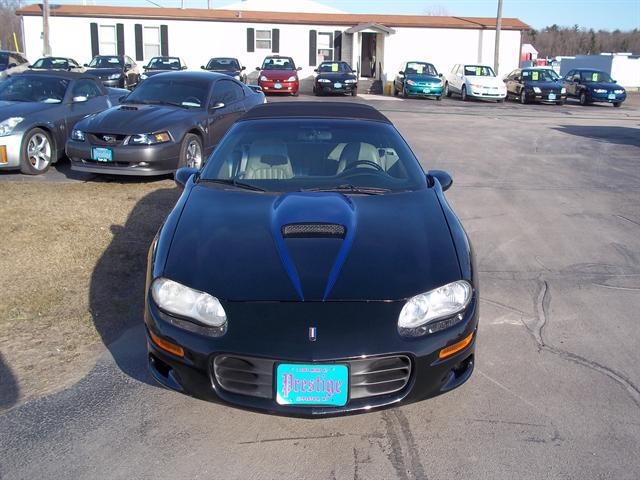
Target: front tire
{"points": [[447, 92], [395, 90], [36, 153], [561, 103], [354, 92], [583, 98], [463, 94], [191, 152], [617, 104], [523, 97]]}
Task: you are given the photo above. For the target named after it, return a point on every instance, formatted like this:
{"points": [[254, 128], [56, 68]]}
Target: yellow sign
{"points": [[594, 77], [334, 67], [478, 71], [534, 76]]}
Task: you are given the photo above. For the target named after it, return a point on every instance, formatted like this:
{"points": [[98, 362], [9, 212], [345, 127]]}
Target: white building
{"points": [[374, 45]]}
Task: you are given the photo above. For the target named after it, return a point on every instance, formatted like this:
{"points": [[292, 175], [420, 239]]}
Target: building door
{"points": [[368, 59]]}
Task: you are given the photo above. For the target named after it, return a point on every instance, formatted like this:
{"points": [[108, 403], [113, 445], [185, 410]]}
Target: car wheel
{"points": [[404, 93], [294, 94], [583, 98], [617, 104], [447, 92], [191, 151], [561, 102], [395, 90], [523, 97], [439, 97], [463, 93], [354, 92], [36, 153]]}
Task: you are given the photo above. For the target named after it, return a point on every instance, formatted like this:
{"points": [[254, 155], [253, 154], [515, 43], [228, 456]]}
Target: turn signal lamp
{"points": [[167, 346], [456, 347]]}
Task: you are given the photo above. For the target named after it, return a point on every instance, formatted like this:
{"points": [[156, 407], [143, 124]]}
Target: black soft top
{"points": [[58, 73], [357, 111]]}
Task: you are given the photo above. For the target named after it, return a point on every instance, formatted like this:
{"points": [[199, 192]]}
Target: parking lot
{"points": [[550, 197]]}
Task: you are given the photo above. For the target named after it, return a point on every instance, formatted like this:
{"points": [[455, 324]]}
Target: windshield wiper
{"points": [[348, 188], [233, 182]]}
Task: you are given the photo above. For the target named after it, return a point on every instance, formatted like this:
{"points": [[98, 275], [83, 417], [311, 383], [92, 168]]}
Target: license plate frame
{"points": [[426, 90], [277, 86], [337, 85], [612, 96], [101, 154], [552, 96], [319, 379]]}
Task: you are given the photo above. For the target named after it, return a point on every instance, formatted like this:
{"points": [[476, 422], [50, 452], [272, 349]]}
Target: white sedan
{"points": [[477, 81]]}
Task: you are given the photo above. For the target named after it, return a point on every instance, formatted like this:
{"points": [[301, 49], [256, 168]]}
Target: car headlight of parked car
{"points": [[350, 80], [144, 76], [183, 301], [148, 138], [77, 135], [563, 90], [410, 82], [115, 76], [292, 78], [237, 77], [537, 90], [264, 79], [619, 92], [435, 310], [599, 90], [324, 80], [7, 126]]}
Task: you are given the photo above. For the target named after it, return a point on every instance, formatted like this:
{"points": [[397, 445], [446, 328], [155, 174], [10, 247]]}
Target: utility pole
{"points": [[209, 4], [46, 46], [496, 54]]}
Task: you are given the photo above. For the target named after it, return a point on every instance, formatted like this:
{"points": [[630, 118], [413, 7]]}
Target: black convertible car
{"points": [[312, 268], [171, 120]]}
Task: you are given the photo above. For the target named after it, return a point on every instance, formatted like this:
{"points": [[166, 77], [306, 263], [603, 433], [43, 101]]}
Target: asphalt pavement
{"points": [[550, 197]]}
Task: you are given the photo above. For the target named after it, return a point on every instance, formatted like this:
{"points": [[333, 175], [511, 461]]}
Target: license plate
{"points": [[299, 384], [426, 90], [277, 86], [612, 96], [337, 85], [552, 96], [101, 154]]}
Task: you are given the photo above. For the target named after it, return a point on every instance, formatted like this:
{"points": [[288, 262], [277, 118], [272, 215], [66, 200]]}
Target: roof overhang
{"points": [[371, 27]]}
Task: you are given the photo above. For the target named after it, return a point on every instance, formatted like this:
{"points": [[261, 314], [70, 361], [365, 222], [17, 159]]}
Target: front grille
{"points": [[106, 138], [313, 230], [369, 377]]}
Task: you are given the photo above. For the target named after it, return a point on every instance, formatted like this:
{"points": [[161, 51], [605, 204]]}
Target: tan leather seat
{"points": [[355, 151], [268, 160]]}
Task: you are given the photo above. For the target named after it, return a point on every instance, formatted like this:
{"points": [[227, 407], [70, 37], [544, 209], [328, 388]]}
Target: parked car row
{"points": [[170, 120]]}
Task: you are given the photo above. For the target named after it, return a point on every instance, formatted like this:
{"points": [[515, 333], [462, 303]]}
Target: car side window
{"points": [[86, 88], [227, 92]]}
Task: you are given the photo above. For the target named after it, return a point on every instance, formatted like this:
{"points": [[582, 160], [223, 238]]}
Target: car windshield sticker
{"points": [[478, 71], [534, 75], [419, 69], [594, 77], [334, 67]]}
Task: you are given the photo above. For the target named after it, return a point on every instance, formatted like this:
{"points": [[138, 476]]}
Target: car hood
{"points": [[101, 72], [231, 73], [423, 78], [231, 244], [336, 77], [544, 84], [607, 85], [279, 74], [130, 119], [485, 81], [23, 109], [151, 73]]}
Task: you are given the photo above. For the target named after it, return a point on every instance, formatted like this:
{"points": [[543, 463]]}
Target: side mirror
{"points": [[217, 106], [128, 66], [243, 68], [79, 99], [614, 81], [183, 175], [258, 68], [30, 66], [86, 64], [183, 67], [299, 68], [145, 67], [203, 67], [401, 72], [443, 178]]}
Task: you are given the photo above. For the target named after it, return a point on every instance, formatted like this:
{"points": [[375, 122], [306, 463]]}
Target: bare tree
{"points": [[9, 24], [555, 40]]}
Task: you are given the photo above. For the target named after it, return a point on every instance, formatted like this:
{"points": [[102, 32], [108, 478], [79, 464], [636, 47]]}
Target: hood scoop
{"points": [[313, 230], [127, 107]]}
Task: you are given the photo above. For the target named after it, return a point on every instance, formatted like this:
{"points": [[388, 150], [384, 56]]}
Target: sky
{"points": [[597, 14]]}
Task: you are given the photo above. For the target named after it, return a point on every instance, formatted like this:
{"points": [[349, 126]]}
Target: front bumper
{"points": [[545, 97], [279, 87], [488, 93], [423, 90], [281, 336], [143, 160], [604, 97], [331, 87], [10, 144]]}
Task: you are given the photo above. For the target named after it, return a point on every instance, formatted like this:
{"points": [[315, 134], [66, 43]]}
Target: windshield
{"points": [[478, 71], [334, 67], [164, 63], [539, 75], [106, 62], [294, 154], [223, 64], [280, 63], [595, 76], [181, 92], [51, 63], [26, 88], [4, 60], [420, 68]]}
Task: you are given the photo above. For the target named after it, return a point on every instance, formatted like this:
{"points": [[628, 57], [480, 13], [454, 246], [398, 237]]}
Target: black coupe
{"points": [[312, 268], [589, 86], [171, 120], [335, 77], [541, 85], [227, 66], [161, 65]]}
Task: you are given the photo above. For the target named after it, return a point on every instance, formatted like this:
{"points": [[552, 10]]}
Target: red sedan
{"points": [[279, 75]]}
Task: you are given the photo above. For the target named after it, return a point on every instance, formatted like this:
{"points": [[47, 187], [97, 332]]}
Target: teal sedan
{"points": [[419, 79]]}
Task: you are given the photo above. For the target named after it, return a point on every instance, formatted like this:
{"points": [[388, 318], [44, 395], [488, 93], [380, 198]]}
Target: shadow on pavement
{"points": [[617, 135], [116, 293], [9, 390]]}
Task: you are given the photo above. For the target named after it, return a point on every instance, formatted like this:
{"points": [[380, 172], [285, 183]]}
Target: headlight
{"points": [[7, 126], [292, 78], [237, 77], [264, 79], [175, 298], [148, 138], [410, 82], [350, 80], [77, 135], [619, 92], [144, 76], [115, 76], [475, 85], [324, 80], [599, 90], [563, 90], [537, 90], [421, 313]]}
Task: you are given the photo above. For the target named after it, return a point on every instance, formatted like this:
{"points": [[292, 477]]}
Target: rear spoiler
{"points": [[255, 88]]}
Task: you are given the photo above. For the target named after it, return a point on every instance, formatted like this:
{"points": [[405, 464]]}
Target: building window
{"points": [[263, 39], [151, 38], [107, 37], [325, 47]]}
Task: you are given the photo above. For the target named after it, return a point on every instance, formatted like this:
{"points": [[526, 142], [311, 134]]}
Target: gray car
{"points": [[39, 109], [171, 120]]}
